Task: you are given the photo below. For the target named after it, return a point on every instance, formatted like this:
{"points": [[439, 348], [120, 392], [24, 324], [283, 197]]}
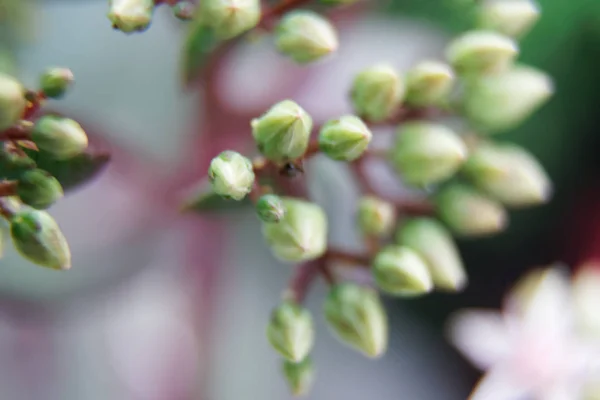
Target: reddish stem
{"points": [[8, 188], [303, 277], [17, 132], [35, 102], [360, 260]]}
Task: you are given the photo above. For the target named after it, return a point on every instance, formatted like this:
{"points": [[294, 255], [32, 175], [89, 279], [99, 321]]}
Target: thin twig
{"points": [[273, 13], [8, 188]]}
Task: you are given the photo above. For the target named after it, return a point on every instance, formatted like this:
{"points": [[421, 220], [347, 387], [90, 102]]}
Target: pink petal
{"points": [[500, 384]]}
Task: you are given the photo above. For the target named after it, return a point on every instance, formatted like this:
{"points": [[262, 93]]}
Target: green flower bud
{"points": [[481, 52], [184, 10], [305, 36], [401, 271], [231, 175], [283, 132], [376, 217], [513, 18], [301, 235], [508, 173], [357, 317], [54, 82], [434, 244], [270, 208], [61, 137], [429, 83], [377, 92], [427, 153], [299, 376], [230, 18], [291, 331], [503, 101], [12, 101], [470, 213], [130, 15], [39, 189], [344, 139], [38, 238]]}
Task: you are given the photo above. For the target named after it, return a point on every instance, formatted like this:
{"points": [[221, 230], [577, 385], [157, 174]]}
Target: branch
{"points": [[17, 132], [8, 188]]}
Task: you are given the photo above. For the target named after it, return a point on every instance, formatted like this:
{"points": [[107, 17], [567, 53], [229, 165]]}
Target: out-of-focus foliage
{"points": [[16, 18]]}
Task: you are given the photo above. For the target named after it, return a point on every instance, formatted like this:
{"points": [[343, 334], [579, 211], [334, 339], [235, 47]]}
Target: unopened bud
{"points": [[427, 153], [231, 175], [12, 101], [344, 139], [429, 83], [230, 18], [401, 271], [56, 81], [299, 376], [481, 52], [305, 36], [434, 244], [39, 189], [376, 217], [291, 331], [357, 317], [283, 132], [38, 238], [184, 10], [131, 15], [269, 208], [513, 18], [377, 92], [61, 137]]}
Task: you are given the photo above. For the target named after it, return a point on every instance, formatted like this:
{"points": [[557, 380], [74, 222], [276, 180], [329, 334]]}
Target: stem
{"points": [[36, 99], [303, 277], [360, 260], [8, 188], [17, 132]]}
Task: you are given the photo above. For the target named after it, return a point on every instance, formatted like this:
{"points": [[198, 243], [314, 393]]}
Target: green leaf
{"points": [[202, 199], [199, 44]]}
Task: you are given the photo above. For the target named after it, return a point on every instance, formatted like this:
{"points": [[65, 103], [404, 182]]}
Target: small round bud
{"points": [[55, 82], [481, 52], [434, 244], [231, 175], [131, 15], [269, 208], [38, 238], [377, 92], [299, 376], [39, 189], [512, 18], [376, 217], [230, 18], [344, 139], [61, 137], [305, 36], [401, 271], [301, 235], [429, 83], [357, 317], [184, 10], [427, 153], [470, 213], [12, 101], [503, 101], [508, 173], [291, 331], [283, 132]]}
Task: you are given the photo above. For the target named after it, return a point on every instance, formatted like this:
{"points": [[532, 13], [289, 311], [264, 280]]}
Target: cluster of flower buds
{"points": [[131, 16]]}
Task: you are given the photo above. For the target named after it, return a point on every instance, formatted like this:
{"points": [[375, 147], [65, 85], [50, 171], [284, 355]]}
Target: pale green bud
{"points": [[376, 217], [434, 244], [401, 271], [301, 235], [344, 139], [291, 331], [283, 132], [508, 173], [61, 137], [357, 317], [503, 101], [429, 83], [377, 92], [184, 10], [481, 52], [470, 213], [130, 15], [55, 82], [512, 18], [305, 36], [269, 208], [38, 238], [427, 153], [299, 376], [39, 189], [231, 175], [230, 18], [12, 101]]}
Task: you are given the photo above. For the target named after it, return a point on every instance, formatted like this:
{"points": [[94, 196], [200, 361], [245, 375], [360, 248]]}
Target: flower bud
{"points": [[55, 82], [508, 173], [131, 15], [434, 244], [376, 217], [429, 83], [291, 331], [305, 36], [61, 137], [481, 52], [39, 189], [586, 297], [283, 132], [512, 18], [301, 235], [427, 153], [38, 238], [357, 317], [184, 10], [344, 139], [468, 212], [230, 18], [12, 101], [299, 376], [270, 208], [501, 102], [377, 92], [231, 175], [401, 271]]}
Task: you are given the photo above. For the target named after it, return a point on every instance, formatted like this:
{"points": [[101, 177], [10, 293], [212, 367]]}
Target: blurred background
{"points": [[160, 306]]}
